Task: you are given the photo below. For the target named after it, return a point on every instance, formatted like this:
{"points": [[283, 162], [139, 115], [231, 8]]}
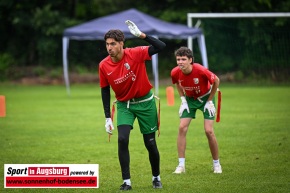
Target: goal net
{"points": [[248, 45]]}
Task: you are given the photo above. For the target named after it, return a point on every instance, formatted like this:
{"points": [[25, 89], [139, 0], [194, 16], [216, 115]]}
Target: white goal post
{"points": [[198, 16]]}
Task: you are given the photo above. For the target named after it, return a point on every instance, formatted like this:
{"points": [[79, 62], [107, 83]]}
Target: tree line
{"points": [[31, 33]]}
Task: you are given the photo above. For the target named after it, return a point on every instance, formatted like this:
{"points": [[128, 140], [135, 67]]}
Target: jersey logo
{"points": [[127, 66], [195, 80], [109, 73]]}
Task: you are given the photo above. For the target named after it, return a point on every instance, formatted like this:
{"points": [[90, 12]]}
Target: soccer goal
{"points": [[256, 44]]}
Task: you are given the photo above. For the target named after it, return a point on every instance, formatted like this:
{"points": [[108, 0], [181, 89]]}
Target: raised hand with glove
{"points": [[133, 28], [210, 107], [183, 106], [109, 126]]}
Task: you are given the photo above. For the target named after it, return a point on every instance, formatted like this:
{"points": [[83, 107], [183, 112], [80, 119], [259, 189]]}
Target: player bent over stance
{"points": [[196, 86], [124, 71]]}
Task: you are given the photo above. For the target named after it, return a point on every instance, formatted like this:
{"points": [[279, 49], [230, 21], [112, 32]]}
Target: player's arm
{"points": [[214, 88], [179, 89], [209, 104], [106, 98], [156, 45]]}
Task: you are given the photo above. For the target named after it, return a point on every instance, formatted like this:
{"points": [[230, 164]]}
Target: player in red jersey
{"points": [[196, 86], [124, 71]]}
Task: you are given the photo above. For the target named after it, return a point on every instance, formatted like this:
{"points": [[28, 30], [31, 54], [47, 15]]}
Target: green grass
{"points": [[45, 126]]}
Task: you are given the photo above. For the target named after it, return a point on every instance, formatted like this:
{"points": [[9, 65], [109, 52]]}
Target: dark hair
{"points": [[184, 51], [116, 34]]}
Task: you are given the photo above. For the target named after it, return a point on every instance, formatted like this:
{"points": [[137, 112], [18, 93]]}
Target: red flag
{"points": [[218, 117]]}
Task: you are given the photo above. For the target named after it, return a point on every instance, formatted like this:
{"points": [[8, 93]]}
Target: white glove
{"points": [[183, 106], [109, 126], [210, 107], [133, 28]]}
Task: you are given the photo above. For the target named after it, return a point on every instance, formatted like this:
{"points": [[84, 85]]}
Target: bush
{"points": [[6, 60]]}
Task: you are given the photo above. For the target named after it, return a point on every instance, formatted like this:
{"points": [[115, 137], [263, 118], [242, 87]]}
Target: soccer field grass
{"points": [[45, 126]]}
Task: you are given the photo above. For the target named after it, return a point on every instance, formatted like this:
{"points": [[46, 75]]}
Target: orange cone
{"points": [[170, 95], [2, 106]]}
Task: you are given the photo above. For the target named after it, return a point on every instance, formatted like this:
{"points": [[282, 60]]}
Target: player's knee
{"points": [[150, 143], [123, 140], [182, 129], [209, 132]]}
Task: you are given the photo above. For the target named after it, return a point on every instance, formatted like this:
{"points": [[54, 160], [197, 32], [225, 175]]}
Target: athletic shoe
{"points": [[179, 170], [125, 187], [217, 169], [156, 183]]}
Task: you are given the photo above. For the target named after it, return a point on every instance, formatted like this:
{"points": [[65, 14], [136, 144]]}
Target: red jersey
{"points": [[128, 77], [195, 84]]}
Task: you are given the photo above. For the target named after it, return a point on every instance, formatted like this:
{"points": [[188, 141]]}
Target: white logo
{"points": [[127, 66], [109, 73], [153, 128], [195, 80]]}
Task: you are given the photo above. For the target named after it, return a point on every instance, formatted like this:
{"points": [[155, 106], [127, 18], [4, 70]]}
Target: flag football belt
{"points": [[218, 115], [136, 101], [199, 98]]}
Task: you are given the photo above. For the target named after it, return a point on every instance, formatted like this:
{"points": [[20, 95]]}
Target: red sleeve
{"points": [[211, 76], [139, 51], [102, 78]]}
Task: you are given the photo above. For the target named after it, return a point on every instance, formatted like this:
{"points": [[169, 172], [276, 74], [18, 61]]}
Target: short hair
{"points": [[184, 51], [116, 34]]}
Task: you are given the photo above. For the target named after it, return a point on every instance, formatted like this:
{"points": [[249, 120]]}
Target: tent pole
{"points": [[189, 43], [155, 72], [202, 48], [65, 45]]}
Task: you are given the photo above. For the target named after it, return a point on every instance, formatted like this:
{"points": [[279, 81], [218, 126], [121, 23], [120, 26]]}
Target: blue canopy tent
{"points": [[96, 29]]}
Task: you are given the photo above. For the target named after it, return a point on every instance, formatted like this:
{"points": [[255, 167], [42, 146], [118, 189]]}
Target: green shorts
{"points": [[144, 111], [194, 104]]}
